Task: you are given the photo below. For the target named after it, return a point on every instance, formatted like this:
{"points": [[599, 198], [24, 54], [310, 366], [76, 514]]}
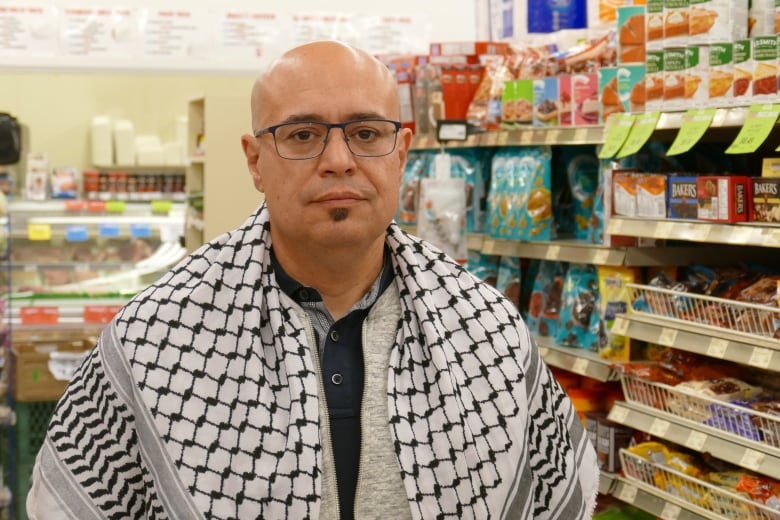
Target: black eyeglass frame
{"points": [[343, 126]]}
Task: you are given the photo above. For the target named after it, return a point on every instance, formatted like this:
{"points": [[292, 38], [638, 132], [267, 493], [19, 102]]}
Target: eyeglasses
{"points": [[307, 139]]}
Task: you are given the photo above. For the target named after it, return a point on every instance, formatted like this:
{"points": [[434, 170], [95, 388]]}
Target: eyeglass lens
{"points": [[367, 138]]}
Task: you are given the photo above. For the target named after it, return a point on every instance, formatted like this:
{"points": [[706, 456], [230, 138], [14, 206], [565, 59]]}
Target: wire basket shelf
{"points": [[749, 318]]}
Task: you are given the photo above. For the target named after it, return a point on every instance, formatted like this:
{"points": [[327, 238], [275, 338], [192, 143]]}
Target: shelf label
{"points": [[76, 233], [553, 136], [771, 238], [38, 231], [40, 315], [641, 131], [580, 366], [96, 206], [619, 326], [526, 137], [116, 206], [740, 235], [74, 205], [761, 357], [161, 206], [671, 511], [108, 230], [717, 347], [759, 122], [752, 459], [100, 313], [696, 440], [667, 337], [618, 414], [552, 253], [544, 351], [702, 232], [694, 125], [617, 129], [140, 230], [627, 492], [659, 427], [171, 232]]}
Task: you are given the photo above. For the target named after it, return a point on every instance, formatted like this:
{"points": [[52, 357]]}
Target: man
{"points": [[317, 362]]}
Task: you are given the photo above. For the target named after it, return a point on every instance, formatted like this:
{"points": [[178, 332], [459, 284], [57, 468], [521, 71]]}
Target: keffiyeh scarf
{"points": [[201, 400]]}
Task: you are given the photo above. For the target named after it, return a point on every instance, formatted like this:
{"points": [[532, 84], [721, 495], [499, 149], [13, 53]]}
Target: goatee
{"points": [[339, 214]]}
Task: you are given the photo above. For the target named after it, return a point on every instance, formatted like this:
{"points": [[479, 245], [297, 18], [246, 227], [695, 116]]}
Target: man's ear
{"points": [[404, 143], [252, 153]]}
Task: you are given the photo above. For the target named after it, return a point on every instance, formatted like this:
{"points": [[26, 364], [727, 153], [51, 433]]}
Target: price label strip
{"points": [[627, 493], [617, 129], [38, 232], [694, 124], [696, 440], [641, 131], [76, 233], [758, 124], [580, 366], [671, 511], [717, 347]]}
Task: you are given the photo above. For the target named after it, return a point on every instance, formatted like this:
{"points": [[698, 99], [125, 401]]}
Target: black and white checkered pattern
{"points": [[219, 370]]}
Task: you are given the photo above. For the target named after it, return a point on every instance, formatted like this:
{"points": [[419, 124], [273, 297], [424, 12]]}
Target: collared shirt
{"points": [[341, 363]]}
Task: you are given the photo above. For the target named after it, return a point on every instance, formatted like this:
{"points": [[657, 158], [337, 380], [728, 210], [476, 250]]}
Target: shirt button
{"points": [[336, 379], [303, 294], [334, 335]]}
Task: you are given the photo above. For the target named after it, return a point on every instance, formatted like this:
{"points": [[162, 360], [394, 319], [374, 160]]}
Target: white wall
{"points": [[58, 105]]}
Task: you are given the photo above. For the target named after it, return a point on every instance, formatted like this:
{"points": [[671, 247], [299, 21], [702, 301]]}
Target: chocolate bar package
{"points": [[766, 199]]}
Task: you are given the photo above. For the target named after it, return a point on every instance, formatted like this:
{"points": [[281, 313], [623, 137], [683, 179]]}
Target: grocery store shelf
{"points": [[521, 136], [135, 168], [702, 339], [607, 482], [577, 360], [723, 118], [741, 451], [650, 499], [755, 234]]}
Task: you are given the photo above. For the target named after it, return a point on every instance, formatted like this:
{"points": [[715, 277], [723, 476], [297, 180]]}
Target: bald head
{"points": [[321, 66]]}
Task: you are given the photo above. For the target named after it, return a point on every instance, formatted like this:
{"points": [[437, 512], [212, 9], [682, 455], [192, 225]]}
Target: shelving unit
{"points": [[216, 167], [725, 244]]}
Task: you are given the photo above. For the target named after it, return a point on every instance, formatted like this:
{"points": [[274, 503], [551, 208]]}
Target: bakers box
{"points": [[723, 198], [43, 370], [765, 206]]}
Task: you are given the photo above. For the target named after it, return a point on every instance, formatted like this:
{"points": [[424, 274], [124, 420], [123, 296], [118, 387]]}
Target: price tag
{"points": [[740, 235], [701, 232], [108, 230], [761, 357], [641, 131], [140, 230], [503, 138], [38, 231], [759, 122], [116, 206], [670, 511], [618, 128], [39, 315], [452, 130], [717, 347], [771, 238], [752, 459], [627, 492], [488, 246], [580, 135], [619, 326], [76, 233], [526, 137], [490, 138], [618, 414], [99, 313], [553, 252], [601, 256], [694, 125], [161, 206], [659, 427], [544, 351], [667, 337], [580, 366], [96, 206], [74, 205], [696, 440]]}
